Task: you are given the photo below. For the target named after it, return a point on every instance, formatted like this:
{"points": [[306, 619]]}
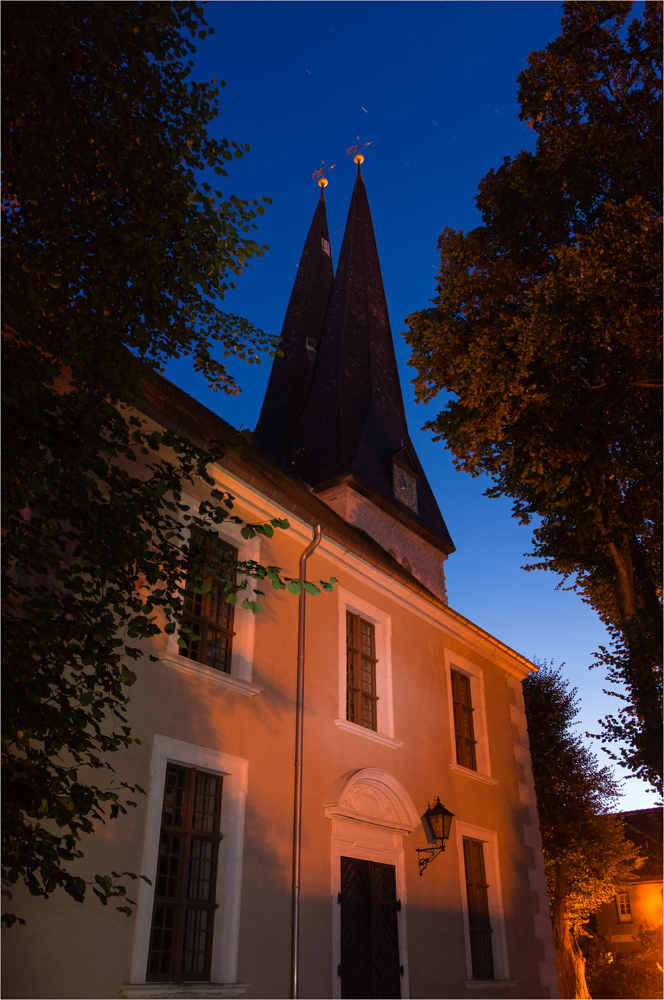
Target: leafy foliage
{"points": [[112, 239], [585, 852], [545, 334], [97, 559], [633, 975], [115, 254]]}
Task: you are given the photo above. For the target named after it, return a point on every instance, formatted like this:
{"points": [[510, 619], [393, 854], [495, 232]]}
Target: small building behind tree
{"points": [[637, 905]]}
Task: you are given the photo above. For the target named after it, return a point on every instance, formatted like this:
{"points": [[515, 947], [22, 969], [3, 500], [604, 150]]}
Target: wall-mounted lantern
{"points": [[437, 822]]}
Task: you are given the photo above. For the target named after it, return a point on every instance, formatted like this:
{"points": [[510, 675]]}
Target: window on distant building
{"points": [[479, 924], [208, 614], [623, 907], [184, 893], [361, 662], [464, 732]]}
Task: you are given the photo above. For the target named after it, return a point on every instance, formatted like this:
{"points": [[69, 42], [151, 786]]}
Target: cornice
{"points": [[338, 545]]}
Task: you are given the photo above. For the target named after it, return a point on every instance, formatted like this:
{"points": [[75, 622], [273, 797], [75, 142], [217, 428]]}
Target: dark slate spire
{"points": [[353, 426], [291, 374]]}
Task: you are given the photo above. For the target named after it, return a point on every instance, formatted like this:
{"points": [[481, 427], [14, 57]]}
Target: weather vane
{"points": [[358, 158], [319, 175]]}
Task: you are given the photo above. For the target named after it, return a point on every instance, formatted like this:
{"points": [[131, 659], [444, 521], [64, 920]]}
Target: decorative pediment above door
{"points": [[372, 796]]}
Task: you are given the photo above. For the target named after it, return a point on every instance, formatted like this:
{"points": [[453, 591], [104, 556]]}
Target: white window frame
{"points": [[382, 621], [476, 676], [235, 773], [240, 678], [624, 918], [495, 898]]}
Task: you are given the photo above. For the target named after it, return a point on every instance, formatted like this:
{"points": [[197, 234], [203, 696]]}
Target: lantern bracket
{"points": [[431, 853]]}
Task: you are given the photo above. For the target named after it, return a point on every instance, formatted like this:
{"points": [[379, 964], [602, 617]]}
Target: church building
{"points": [[272, 880]]}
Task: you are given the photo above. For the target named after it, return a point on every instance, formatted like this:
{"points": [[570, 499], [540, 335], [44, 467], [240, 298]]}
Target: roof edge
{"points": [[350, 540]]}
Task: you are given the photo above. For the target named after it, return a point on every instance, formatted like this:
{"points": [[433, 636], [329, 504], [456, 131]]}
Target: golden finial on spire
{"points": [[358, 158], [319, 175]]}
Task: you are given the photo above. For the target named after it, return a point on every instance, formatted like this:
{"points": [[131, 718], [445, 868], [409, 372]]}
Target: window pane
{"points": [[205, 802], [350, 705], [194, 952], [220, 610], [161, 945], [360, 671], [176, 782], [193, 603], [351, 668], [367, 638], [463, 720], [199, 883], [193, 645], [209, 615], [181, 937], [169, 866], [367, 676], [217, 650], [624, 908], [368, 713], [479, 923]]}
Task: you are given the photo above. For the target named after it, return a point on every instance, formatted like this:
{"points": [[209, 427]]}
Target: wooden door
{"points": [[369, 932]]}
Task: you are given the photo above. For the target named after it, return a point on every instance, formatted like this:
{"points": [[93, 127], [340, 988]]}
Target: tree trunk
{"points": [[641, 618], [571, 963]]}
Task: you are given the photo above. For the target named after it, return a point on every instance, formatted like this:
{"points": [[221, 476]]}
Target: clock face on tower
{"points": [[405, 487]]}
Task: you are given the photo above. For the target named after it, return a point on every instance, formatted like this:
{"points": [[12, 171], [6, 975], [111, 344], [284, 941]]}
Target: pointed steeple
{"points": [[353, 426], [291, 374]]}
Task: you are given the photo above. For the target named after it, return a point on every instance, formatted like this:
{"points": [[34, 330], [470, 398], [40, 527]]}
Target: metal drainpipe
{"points": [[297, 808]]}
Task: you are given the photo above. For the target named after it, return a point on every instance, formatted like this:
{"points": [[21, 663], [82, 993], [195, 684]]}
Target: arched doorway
{"points": [[371, 812]]}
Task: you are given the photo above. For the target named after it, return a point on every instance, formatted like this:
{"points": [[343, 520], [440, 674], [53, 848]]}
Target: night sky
{"points": [[432, 86]]}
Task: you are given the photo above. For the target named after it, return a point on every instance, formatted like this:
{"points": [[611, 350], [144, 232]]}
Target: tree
{"points": [[545, 333], [585, 853], [113, 239], [634, 974], [116, 254]]}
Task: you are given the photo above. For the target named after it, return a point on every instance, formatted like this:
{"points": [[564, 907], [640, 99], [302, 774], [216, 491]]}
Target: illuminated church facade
{"points": [[404, 701]]}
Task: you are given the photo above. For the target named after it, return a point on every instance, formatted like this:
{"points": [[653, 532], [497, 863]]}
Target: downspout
{"points": [[297, 807]]}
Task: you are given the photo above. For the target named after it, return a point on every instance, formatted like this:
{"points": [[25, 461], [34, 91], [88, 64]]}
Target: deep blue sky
{"points": [[433, 87]]}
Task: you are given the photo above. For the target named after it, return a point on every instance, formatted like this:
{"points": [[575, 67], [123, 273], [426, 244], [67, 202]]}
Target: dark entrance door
{"points": [[369, 932]]}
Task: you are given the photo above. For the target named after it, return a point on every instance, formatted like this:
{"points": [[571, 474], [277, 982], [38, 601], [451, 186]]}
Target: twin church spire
{"points": [[333, 411], [292, 372]]}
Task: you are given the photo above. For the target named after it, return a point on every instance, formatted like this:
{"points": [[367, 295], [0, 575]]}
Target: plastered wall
{"points": [[73, 950]]}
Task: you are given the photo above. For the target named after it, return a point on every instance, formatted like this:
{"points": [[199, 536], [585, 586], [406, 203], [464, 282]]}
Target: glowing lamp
{"points": [[436, 822]]}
